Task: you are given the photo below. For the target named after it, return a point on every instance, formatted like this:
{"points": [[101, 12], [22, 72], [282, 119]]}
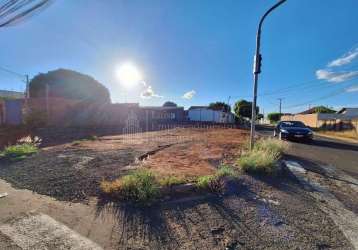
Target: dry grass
{"points": [[215, 182], [348, 134], [264, 156], [139, 186]]}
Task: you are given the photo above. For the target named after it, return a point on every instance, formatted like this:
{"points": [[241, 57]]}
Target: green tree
{"points": [[220, 106], [243, 108], [323, 109], [69, 84], [170, 104], [274, 117]]}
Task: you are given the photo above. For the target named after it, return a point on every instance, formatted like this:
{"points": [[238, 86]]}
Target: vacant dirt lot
{"points": [[257, 213], [72, 171]]}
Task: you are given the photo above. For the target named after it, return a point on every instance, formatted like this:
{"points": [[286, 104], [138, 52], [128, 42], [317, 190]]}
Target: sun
{"points": [[129, 75]]}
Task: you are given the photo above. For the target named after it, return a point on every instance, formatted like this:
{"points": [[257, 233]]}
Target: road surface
{"points": [[323, 152]]}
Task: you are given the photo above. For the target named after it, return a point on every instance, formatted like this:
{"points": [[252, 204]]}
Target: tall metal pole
{"points": [[280, 105], [257, 71]]}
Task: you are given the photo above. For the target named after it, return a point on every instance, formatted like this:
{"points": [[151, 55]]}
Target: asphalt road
{"points": [[323, 152]]}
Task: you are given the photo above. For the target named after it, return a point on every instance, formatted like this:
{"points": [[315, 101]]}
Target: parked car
{"points": [[293, 130]]}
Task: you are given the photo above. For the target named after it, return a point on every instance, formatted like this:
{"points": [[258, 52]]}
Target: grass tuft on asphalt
{"points": [[263, 158]]}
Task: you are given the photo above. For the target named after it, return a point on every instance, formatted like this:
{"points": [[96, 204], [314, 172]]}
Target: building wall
{"points": [[12, 111], [209, 115], [310, 120]]}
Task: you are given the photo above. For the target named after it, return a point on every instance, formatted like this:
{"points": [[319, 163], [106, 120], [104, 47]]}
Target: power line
{"points": [[14, 11], [332, 94], [12, 72]]}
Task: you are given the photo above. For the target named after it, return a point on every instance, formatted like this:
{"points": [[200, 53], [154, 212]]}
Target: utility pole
{"points": [[257, 71], [280, 99], [27, 94]]}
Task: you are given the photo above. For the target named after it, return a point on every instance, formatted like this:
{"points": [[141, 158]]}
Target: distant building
{"points": [[343, 119], [11, 105], [351, 113], [163, 114], [205, 114], [8, 94]]}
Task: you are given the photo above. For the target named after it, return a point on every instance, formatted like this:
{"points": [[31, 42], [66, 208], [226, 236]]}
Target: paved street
{"points": [[323, 152]]}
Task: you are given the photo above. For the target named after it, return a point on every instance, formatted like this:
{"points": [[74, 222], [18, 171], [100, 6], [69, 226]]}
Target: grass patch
{"points": [[346, 134], [139, 186], [171, 181], [225, 170], [91, 138], [19, 151], [203, 182], [215, 182], [88, 138], [143, 186], [264, 156]]}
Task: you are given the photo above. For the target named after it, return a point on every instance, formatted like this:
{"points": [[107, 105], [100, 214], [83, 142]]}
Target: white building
{"points": [[204, 114]]}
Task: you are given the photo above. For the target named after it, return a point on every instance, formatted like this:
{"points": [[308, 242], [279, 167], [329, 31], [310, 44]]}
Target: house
{"points": [[339, 120], [163, 114], [351, 113], [205, 114]]}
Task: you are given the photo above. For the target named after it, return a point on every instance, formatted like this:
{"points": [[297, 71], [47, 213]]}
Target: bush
{"points": [[263, 158], [139, 186], [19, 151]]}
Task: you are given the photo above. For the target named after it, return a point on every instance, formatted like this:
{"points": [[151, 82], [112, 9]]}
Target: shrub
{"points": [[139, 186], [19, 151], [263, 158]]}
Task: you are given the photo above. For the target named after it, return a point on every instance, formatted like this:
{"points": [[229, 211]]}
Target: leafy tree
{"points": [[323, 109], [274, 117], [243, 108], [220, 106], [170, 104], [69, 84]]}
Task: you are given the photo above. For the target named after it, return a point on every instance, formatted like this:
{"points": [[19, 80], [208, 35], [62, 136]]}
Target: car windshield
{"points": [[292, 124]]}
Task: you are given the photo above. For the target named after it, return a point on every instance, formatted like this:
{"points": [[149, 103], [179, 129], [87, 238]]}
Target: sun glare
{"points": [[129, 75]]}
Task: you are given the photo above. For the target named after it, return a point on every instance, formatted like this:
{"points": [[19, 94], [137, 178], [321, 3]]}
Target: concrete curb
{"points": [[345, 219]]}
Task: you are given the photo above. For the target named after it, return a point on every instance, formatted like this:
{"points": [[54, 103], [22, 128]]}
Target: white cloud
{"points": [[335, 76], [149, 93], [189, 95], [345, 59], [352, 89]]}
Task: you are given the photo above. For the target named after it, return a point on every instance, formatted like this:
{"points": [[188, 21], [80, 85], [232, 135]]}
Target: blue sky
{"points": [[204, 47]]}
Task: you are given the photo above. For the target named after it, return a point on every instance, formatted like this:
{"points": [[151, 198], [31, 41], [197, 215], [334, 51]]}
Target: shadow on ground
{"points": [[334, 144], [264, 212]]}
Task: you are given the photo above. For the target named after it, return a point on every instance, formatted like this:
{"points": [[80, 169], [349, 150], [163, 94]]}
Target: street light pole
{"points": [[257, 71]]}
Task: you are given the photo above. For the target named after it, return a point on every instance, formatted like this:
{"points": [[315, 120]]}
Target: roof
{"points": [[308, 111], [161, 108], [199, 107], [349, 112], [11, 94]]}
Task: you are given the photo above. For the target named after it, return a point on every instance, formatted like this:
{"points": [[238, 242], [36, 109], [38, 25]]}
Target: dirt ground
{"points": [[257, 212], [73, 171], [261, 213]]}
